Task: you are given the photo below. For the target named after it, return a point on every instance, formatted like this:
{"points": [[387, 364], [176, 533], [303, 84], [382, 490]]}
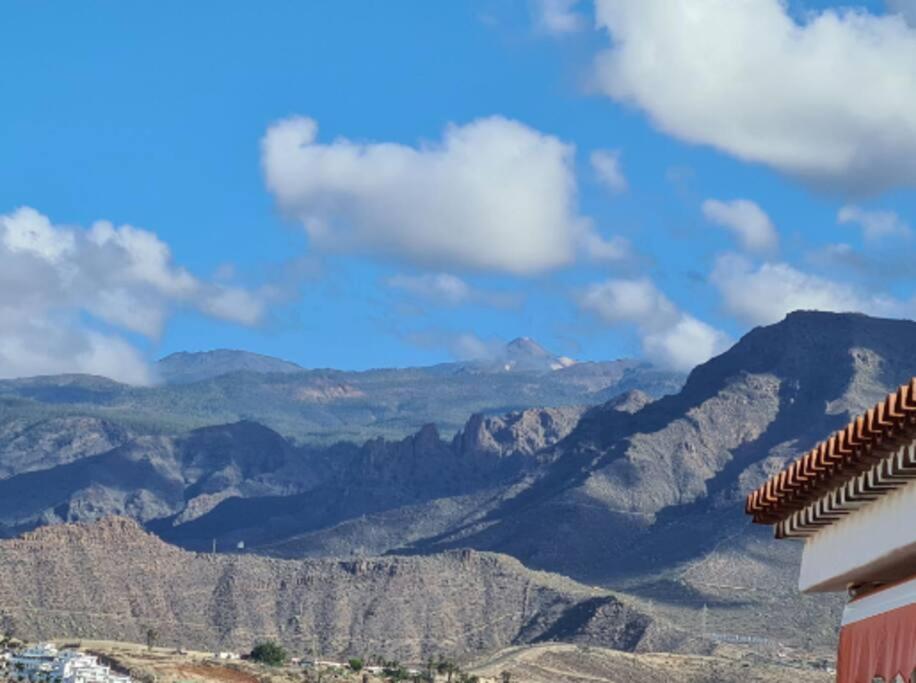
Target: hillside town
{"points": [[45, 663], [111, 662]]}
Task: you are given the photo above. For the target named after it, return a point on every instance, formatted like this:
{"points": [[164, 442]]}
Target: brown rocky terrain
{"points": [[541, 663], [566, 663], [112, 580]]}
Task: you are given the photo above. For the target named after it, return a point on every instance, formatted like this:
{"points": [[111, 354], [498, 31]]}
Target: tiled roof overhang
{"points": [[862, 447]]}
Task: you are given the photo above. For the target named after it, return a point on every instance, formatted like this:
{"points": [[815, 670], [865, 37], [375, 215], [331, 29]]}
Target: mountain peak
{"points": [[526, 346], [185, 367], [524, 353]]}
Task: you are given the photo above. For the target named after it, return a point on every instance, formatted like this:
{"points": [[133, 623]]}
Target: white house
{"points": [[34, 661], [45, 663]]}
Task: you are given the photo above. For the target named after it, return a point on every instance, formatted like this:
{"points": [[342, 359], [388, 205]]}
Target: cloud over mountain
{"points": [[764, 294], [669, 336], [829, 99], [68, 296], [492, 195]]}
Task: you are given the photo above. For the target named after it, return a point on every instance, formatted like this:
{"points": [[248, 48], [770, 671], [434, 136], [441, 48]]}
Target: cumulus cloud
{"points": [[492, 195], [830, 99], [607, 167], [67, 296], [875, 225], [670, 337], [557, 17], [746, 220], [764, 294]]}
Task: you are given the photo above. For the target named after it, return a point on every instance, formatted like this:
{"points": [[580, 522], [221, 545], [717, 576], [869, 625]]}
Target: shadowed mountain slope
{"points": [[250, 484]]}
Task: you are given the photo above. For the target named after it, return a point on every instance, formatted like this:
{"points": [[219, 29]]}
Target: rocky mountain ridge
{"points": [[650, 501], [322, 406], [174, 480], [641, 496], [456, 604]]}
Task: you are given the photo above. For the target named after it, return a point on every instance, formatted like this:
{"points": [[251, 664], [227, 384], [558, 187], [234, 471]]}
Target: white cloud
{"points": [[558, 17], [624, 301], [52, 277], [746, 219], [685, 344], [831, 100], [450, 290], [875, 224], [441, 287], [613, 250], [765, 294], [493, 195], [670, 337], [606, 164]]}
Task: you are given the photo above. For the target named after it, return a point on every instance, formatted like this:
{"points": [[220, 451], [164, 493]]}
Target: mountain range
{"points": [[319, 406], [640, 493]]}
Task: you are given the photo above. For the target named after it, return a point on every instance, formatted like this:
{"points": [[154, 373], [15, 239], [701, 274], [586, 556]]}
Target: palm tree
{"points": [[151, 637]]}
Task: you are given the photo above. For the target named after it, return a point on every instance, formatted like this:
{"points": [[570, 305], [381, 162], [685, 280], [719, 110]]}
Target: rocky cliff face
{"points": [[738, 418], [113, 580], [522, 433], [652, 501], [174, 480]]}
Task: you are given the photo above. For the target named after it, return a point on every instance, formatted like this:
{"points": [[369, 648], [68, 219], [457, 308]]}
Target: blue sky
{"points": [[152, 115]]}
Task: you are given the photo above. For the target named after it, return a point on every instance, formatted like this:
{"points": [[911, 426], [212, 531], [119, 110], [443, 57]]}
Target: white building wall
{"points": [[874, 543]]}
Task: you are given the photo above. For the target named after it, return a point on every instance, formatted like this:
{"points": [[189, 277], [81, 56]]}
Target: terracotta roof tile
{"points": [[845, 454]]}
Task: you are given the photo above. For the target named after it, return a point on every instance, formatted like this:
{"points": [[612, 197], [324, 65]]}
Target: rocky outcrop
{"points": [[172, 481], [28, 445], [522, 433]]}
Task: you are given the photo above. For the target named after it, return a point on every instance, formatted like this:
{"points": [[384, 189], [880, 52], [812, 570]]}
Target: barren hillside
{"points": [[113, 580]]}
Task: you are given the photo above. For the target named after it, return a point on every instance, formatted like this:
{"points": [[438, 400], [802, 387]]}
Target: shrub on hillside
{"points": [[270, 653]]}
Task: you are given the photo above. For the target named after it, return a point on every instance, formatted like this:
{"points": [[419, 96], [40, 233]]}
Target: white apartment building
{"points": [[44, 663], [33, 662]]}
